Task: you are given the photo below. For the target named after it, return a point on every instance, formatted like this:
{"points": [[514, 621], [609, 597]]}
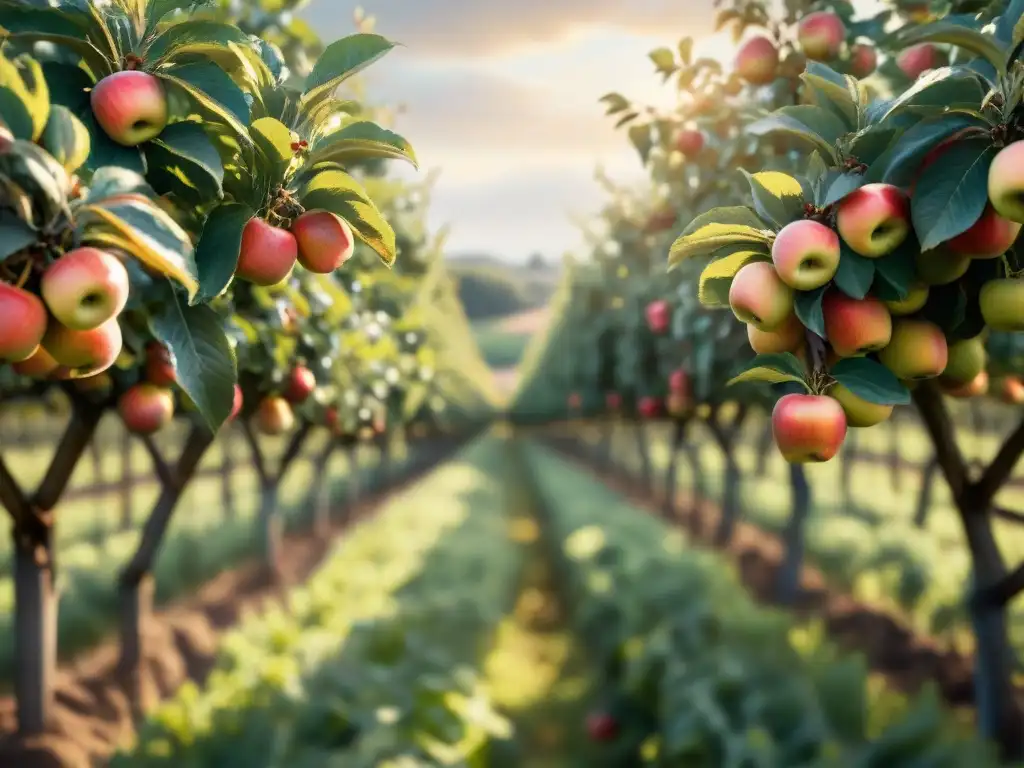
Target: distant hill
{"points": [[491, 288]]}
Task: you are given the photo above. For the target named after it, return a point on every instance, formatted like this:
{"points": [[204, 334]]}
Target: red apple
{"points": [[808, 428], [863, 60], [916, 351], [806, 254], [658, 315], [1006, 182], [85, 288], [83, 353], [678, 403], [679, 381], [649, 407], [274, 416], [146, 408], [976, 387], [267, 254], [160, 367], [22, 323], [820, 35], [917, 59], [301, 384], [613, 401], [130, 106], [602, 727], [331, 418], [40, 365], [988, 238], [757, 61], [1012, 390], [856, 327], [789, 337], [690, 141], [874, 220], [758, 297], [324, 240]]}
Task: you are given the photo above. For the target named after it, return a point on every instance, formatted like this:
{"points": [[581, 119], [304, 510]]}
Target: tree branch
{"points": [[1008, 514], [1002, 592], [257, 453], [163, 471], [293, 450], [933, 412], [999, 471], [73, 443], [12, 497]]}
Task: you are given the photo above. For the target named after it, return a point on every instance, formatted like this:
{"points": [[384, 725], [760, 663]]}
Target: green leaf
{"points": [[66, 138], [104, 152], [184, 151], [156, 10], [717, 228], [65, 27], [911, 147], [870, 380], [215, 94], [187, 36], [945, 87], [337, 192], [841, 686], [778, 197], [773, 369], [15, 115], [274, 142], [855, 273], [952, 194], [840, 94], [341, 60], [807, 305], [359, 141], [204, 359], [218, 248], [664, 60], [807, 122], [615, 103], [951, 33], [640, 138], [896, 272], [840, 186], [15, 234]]}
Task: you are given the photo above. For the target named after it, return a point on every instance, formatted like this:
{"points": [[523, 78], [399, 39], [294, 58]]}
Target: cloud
{"points": [[473, 28]]}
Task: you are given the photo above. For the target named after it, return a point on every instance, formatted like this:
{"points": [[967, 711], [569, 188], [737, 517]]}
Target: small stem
{"points": [[23, 277]]}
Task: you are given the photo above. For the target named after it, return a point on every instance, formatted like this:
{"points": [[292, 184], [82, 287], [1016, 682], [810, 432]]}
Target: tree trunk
{"points": [[271, 531], [788, 586], [643, 453], [136, 598], [127, 482], [765, 446], [35, 632], [320, 498], [672, 471], [894, 455], [730, 501], [924, 498]]}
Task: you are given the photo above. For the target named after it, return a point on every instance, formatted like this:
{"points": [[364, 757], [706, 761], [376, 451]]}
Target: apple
{"points": [[236, 403], [22, 323], [863, 60], [267, 254], [657, 314], [917, 59], [40, 365], [301, 383], [758, 297], [917, 351], [976, 387], [808, 428], [83, 353], [1006, 182], [130, 107], [874, 220], [613, 401], [85, 288], [859, 412], [806, 254], [679, 381], [690, 141], [757, 61], [331, 418], [820, 35], [146, 408], [917, 297], [966, 359], [1012, 390], [1002, 304], [856, 327], [678, 403], [988, 238], [160, 366], [325, 241], [940, 266], [649, 407], [602, 727], [274, 416], [787, 338]]}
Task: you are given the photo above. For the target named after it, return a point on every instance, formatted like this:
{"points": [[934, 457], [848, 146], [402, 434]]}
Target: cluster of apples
{"points": [[319, 240], [820, 37], [275, 414], [873, 221]]}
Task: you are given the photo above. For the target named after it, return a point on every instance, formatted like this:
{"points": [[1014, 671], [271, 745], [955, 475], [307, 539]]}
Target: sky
{"points": [[502, 99]]}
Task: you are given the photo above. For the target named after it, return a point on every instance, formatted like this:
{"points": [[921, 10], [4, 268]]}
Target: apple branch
{"points": [[1002, 592], [12, 496], [163, 470], [257, 453], [999, 471], [936, 419]]}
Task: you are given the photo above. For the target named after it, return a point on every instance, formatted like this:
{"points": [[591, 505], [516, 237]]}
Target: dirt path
{"points": [[93, 716]]}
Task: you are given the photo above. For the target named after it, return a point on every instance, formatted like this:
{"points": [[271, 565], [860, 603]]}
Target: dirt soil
{"points": [[93, 715]]}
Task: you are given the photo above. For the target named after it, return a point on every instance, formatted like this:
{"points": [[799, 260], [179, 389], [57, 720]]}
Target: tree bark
{"points": [[672, 471], [136, 599], [127, 482], [320, 498], [924, 498], [730, 501], [788, 586], [643, 453], [271, 531]]}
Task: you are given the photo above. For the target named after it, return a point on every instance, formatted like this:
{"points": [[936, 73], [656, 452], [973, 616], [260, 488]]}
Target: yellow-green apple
{"points": [[679, 381], [758, 297], [863, 60], [678, 403], [917, 351], [757, 61], [966, 360], [1012, 390], [917, 59], [130, 106], [301, 383], [160, 365], [940, 266], [1006, 182], [808, 428], [22, 323], [267, 254], [325, 241], [874, 219], [917, 297], [859, 412], [649, 407], [274, 416], [690, 141], [146, 408], [236, 403], [602, 727], [988, 238], [786, 338], [85, 287], [613, 401], [976, 387], [820, 35], [856, 327], [806, 254], [40, 365], [657, 314], [1002, 304], [83, 353]]}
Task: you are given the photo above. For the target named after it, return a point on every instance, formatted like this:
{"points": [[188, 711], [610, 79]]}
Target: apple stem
{"points": [[25, 272], [816, 348]]}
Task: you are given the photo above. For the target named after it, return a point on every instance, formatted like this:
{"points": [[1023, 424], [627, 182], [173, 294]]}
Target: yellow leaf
{"points": [[714, 235], [779, 184]]}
